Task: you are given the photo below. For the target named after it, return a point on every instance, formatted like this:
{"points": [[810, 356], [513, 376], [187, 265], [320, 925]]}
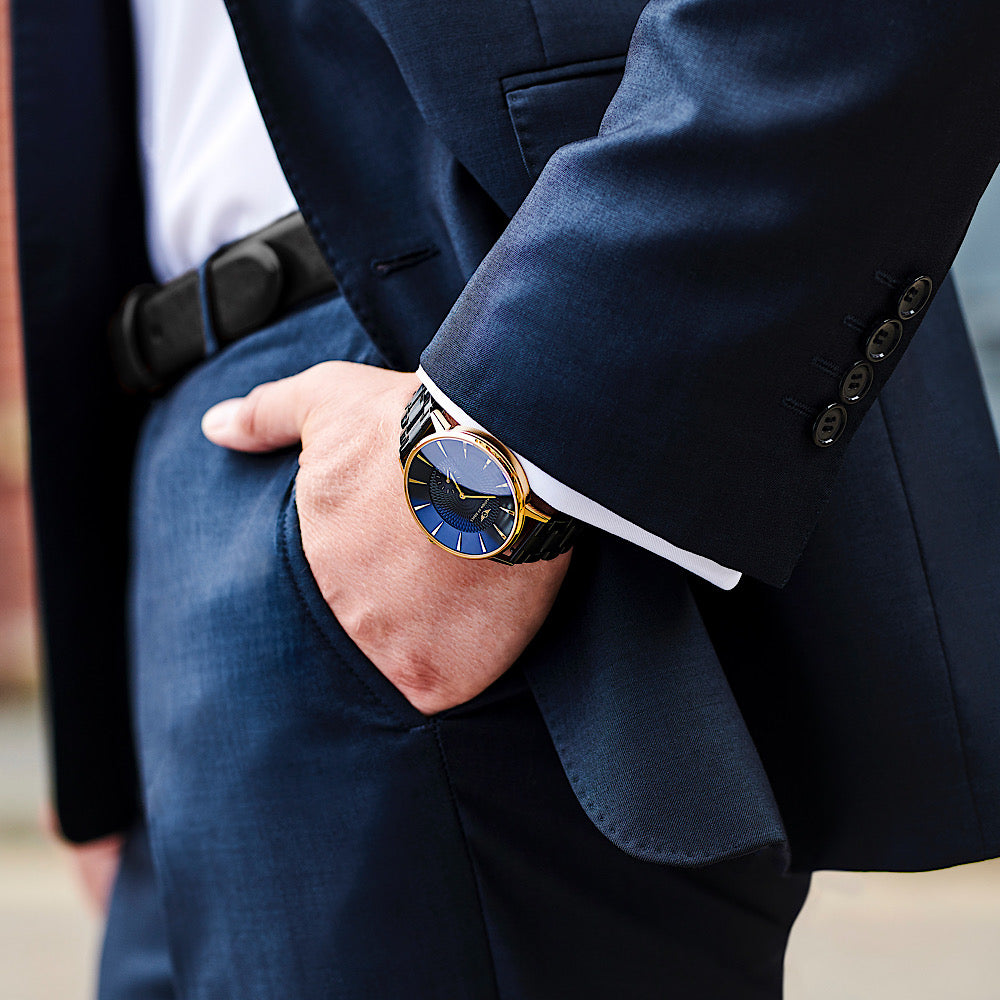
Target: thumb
{"points": [[269, 417]]}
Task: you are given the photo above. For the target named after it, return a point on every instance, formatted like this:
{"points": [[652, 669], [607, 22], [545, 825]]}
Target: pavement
{"points": [[879, 936], [48, 938]]}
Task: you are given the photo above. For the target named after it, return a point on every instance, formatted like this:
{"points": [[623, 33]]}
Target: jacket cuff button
{"points": [[857, 382], [884, 340], [829, 425], [913, 300]]}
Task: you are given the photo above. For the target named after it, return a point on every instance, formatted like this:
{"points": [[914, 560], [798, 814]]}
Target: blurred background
{"points": [[918, 937]]}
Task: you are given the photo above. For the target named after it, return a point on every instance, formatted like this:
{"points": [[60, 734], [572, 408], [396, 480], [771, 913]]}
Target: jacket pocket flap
{"points": [[550, 108]]}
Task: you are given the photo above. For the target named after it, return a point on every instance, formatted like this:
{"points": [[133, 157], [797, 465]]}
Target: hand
{"points": [[95, 863], [440, 628]]}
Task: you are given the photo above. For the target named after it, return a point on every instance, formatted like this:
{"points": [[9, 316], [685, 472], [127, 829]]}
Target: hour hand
{"points": [[454, 483]]}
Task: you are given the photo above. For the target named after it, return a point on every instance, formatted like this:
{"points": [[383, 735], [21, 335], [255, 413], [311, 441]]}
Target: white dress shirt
{"points": [[211, 176]]}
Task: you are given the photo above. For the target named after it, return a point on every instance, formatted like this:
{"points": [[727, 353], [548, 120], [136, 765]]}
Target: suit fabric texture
{"points": [[308, 833], [641, 243]]}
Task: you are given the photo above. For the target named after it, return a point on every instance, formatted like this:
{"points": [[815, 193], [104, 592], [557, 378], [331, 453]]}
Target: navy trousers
{"points": [[308, 834]]}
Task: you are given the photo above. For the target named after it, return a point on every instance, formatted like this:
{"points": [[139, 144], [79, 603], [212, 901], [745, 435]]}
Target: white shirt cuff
{"points": [[568, 501]]}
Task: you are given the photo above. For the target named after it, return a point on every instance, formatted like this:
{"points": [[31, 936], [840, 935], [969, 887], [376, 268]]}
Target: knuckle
{"points": [[417, 678], [252, 413], [426, 687]]}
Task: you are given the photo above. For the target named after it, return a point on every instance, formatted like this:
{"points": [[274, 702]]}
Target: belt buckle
{"points": [[245, 282]]}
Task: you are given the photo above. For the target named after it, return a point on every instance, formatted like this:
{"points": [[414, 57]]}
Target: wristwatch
{"points": [[470, 494]]}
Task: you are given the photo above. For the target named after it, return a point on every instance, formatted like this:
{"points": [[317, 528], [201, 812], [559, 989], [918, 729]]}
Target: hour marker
{"points": [[460, 541], [483, 544], [465, 450], [441, 446], [422, 459], [502, 488], [489, 462], [419, 482], [438, 528], [498, 531], [422, 506]]}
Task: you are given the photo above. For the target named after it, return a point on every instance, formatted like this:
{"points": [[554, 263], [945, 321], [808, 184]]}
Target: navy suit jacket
{"points": [[642, 244]]}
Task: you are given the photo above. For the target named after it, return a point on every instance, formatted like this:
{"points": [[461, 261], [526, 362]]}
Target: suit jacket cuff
{"points": [[569, 501]]}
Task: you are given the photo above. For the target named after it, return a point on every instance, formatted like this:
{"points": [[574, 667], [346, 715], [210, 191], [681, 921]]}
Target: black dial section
{"points": [[462, 496]]}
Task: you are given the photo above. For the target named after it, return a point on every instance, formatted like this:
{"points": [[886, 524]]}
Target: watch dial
{"points": [[462, 496]]}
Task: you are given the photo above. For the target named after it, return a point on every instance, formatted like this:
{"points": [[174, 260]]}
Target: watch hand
{"points": [[477, 496], [454, 483]]}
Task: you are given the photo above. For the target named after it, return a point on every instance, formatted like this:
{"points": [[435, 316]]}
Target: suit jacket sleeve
{"points": [[80, 245], [680, 297]]}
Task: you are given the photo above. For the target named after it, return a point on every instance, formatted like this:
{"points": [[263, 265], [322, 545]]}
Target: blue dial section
{"points": [[463, 498]]}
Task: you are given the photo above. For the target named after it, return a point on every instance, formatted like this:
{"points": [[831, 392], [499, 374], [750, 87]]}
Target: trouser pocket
{"points": [[346, 654]]}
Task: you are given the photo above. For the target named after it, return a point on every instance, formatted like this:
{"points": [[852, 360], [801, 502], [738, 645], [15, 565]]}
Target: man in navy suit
{"points": [[663, 294]]}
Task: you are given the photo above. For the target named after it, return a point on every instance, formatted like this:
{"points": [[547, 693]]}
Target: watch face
{"points": [[462, 496]]}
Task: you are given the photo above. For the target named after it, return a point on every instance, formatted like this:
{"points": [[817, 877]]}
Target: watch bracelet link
{"points": [[416, 421], [545, 540], [548, 540]]}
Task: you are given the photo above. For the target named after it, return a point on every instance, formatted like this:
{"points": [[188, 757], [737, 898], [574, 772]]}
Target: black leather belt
{"points": [[158, 334]]}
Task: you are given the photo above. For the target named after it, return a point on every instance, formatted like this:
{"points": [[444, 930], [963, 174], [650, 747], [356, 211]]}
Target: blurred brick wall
{"points": [[17, 630]]}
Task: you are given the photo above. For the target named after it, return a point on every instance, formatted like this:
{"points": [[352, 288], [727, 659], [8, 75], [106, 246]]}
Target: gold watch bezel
{"points": [[508, 465]]}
